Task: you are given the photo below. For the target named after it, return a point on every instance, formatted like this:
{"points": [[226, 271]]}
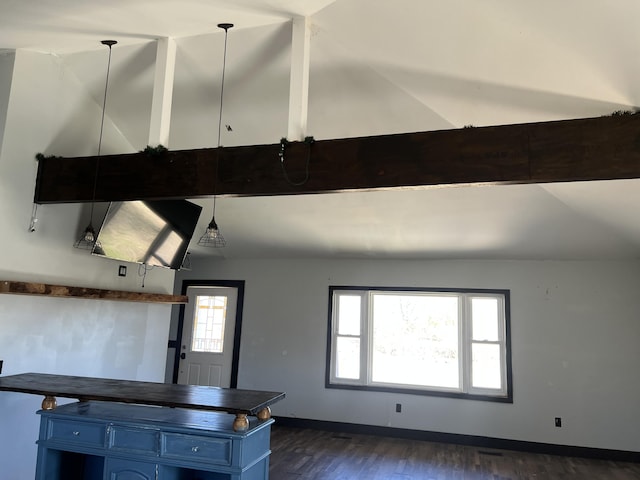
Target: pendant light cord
{"points": [[106, 87], [108, 43], [283, 145], [212, 236], [226, 27]]}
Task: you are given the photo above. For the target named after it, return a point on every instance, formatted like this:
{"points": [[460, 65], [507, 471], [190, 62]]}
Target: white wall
{"points": [[575, 335], [47, 106]]}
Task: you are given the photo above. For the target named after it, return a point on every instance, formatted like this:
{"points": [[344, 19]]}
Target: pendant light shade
{"points": [[88, 237], [212, 236]]}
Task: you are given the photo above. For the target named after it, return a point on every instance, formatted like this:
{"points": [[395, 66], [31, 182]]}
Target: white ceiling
{"points": [[376, 67], [64, 26]]}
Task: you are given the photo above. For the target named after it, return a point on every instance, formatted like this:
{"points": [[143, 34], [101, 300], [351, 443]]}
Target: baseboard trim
{"points": [[458, 439]]}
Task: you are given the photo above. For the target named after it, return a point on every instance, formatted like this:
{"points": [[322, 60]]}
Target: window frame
{"points": [[465, 342]]}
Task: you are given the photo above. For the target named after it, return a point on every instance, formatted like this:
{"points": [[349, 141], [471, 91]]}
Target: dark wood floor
{"points": [[314, 454]]}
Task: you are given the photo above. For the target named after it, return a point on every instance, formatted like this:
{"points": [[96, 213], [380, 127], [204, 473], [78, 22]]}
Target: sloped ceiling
{"points": [[376, 68]]}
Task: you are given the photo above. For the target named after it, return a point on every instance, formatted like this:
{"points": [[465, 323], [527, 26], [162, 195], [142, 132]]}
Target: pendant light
{"points": [[212, 236], [88, 238]]}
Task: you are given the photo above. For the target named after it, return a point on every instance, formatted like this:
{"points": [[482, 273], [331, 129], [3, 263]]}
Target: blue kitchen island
{"points": [[130, 430], [99, 440]]}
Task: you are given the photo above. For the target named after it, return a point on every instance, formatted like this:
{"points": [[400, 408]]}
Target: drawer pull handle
{"points": [[195, 449], [76, 433]]}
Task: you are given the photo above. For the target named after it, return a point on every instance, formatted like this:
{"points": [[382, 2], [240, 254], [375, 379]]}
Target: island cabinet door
{"points": [[119, 469]]}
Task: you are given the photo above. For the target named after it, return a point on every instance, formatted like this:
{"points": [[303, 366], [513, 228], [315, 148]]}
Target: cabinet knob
{"points": [[195, 449]]}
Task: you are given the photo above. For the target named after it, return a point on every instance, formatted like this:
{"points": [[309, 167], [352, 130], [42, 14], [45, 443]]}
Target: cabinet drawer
{"points": [[133, 439], [196, 448], [81, 433]]}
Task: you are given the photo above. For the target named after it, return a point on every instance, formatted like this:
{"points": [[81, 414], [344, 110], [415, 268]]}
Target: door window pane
{"points": [[208, 324], [484, 317]]}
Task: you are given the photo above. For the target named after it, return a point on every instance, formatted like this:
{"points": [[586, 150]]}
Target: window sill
{"points": [[430, 393]]}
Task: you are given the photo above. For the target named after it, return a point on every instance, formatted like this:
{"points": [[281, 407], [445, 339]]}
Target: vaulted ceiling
{"points": [[376, 68]]}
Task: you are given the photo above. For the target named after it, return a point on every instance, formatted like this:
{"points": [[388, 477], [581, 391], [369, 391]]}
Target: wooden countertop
{"points": [[172, 417], [229, 400]]}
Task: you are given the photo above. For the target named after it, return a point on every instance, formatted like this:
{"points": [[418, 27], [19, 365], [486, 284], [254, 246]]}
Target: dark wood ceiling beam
{"points": [[603, 148]]}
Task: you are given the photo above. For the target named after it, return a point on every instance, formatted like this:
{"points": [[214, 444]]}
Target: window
{"points": [[208, 324], [436, 342]]}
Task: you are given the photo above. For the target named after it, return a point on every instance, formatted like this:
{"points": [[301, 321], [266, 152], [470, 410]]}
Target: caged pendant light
{"points": [[87, 240], [212, 236]]}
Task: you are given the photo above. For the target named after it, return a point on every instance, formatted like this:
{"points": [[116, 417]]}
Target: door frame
{"points": [[237, 284]]}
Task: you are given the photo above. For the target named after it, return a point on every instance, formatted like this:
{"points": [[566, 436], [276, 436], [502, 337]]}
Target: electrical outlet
{"points": [[122, 271], [558, 422], [398, 407]]}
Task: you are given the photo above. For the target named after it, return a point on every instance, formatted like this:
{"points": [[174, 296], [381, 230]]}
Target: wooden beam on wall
{"points": [[603, 148], [49, 290]]}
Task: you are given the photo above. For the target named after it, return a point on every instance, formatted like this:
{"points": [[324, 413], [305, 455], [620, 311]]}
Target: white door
{"points": [[206, 347]]}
